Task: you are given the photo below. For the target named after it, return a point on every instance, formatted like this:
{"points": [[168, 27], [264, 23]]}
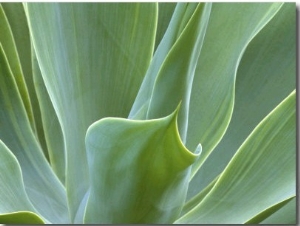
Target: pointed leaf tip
{"points": [[139, 170]]}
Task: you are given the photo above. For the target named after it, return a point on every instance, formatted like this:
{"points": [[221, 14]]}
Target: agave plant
{"points": [[147, 113]]}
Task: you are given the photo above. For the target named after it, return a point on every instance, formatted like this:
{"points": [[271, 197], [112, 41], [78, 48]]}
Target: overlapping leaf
{"points": [[9, 46], [12, 191], [246, 186], [170, 75], [285, 215], [283, 212], [165, 12], [88, 61], [41, 184], [136, 182], [50, 124], [16, 19], [90, 71], [231, 27], [266, 75]]}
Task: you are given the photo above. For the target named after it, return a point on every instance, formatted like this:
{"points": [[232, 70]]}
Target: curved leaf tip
{"points": [[139, 170], [20, 217]]}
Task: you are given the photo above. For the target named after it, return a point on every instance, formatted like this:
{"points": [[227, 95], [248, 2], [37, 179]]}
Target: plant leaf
{"points": [[41, 184], [274, 210], [52, 129], [21, 217], [89, 55], [168, 80], [9, 46], [165, 12], [139, 171], [193, 202], [266, 75], [231, 27], [12, 192], [285, 215], [141, 104], [241, 192], [19, 28], [16, 17]]}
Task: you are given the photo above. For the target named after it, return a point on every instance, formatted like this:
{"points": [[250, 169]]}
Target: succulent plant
{"points": [[148, 113]]}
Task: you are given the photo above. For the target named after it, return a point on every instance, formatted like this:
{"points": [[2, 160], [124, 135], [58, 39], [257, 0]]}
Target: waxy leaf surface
{"points": [[139, 171]]}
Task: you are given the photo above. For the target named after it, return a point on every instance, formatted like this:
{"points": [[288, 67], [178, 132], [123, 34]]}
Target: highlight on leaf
{"points": [[145, 113]]}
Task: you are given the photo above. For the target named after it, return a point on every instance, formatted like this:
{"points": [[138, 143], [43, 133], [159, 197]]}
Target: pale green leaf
{"points": [[8, 44], [12, 191], [265, 76], [247, 185], [193, 202], [136, 182], [286, 215], [18, 23], [165, 12], [93, 58], [141, 104], [41, 184], [20, 217], [231, 27], [172, 77], [52, 129], [281, 213]]}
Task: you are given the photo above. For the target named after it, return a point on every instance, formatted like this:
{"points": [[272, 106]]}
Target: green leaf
{"points": [[169, 80], [265, 76], [247, 185], [21, 217], [231, 27], [52, 129], [165, 12], [41, 184], [93, 58], [193, 202], [139, 171], [276, 211], [8, 44], [141, 104], [286, 215], [12, 192], [19, 28]]}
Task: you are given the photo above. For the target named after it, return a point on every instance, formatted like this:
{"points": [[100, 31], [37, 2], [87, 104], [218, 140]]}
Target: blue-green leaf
{"points": [[93, 58], [231, 27], [252, 181], [170, 75], [139, 171], [41, 184], [265, 76]]}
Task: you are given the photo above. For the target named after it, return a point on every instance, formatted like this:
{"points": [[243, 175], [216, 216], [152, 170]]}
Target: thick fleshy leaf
{"points": [[172, 76], [8, 44], [266, 75], [231, 27], [139, 171], [12, 192], [286, 215], [247, 185], [18, 23], [141, 104], [165, 12], [41, 184], [52, 129], [276, 211], [21, 217], [91, 71], [193, 202]]}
